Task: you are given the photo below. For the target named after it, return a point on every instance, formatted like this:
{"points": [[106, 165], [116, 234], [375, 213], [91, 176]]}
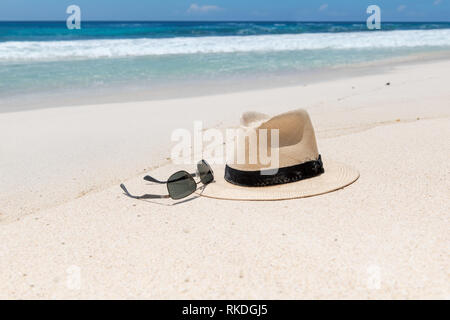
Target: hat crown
{"points": [[297, 142]]}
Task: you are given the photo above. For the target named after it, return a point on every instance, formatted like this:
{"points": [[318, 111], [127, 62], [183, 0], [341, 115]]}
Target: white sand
{"points": [[386, 236]]}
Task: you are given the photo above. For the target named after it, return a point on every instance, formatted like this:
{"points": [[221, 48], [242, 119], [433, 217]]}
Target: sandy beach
{"points": [[67, 231]]}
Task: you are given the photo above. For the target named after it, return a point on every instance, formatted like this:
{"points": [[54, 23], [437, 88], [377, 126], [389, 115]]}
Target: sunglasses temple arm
{"points": [[151, 179], [144, 196]]}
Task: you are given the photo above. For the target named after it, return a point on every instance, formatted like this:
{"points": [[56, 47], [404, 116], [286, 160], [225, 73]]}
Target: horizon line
{"points": [[203, 21]]}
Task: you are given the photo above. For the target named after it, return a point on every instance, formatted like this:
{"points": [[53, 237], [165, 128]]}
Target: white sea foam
{"points": [[91, 49]]}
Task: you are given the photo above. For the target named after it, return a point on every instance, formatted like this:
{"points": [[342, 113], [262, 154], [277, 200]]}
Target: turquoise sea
{"points": [[40, 57]]}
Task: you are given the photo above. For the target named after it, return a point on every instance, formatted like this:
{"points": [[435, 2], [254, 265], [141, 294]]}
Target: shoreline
{"points": [[203, 88]]}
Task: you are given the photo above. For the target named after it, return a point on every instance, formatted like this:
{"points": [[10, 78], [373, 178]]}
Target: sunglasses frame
{"points": [[168, 181]]}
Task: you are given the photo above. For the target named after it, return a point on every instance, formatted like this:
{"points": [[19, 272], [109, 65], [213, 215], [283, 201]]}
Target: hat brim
{"points": [[335, 177]]}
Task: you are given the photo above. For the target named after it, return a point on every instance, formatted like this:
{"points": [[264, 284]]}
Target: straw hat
{"points": [[300, 171]]}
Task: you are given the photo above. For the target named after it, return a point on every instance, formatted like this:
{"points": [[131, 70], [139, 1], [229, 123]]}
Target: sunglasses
{"points": [[180, 184]]}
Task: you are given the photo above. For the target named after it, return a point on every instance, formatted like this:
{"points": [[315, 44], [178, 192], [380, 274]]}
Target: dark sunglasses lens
{"points": [[205, 172], [180, 185]]}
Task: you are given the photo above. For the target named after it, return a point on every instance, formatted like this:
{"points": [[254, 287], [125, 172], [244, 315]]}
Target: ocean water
{"points": [[38, 57]]}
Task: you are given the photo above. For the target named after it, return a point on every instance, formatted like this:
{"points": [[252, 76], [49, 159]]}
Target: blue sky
{"points": [[298, 10]]}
